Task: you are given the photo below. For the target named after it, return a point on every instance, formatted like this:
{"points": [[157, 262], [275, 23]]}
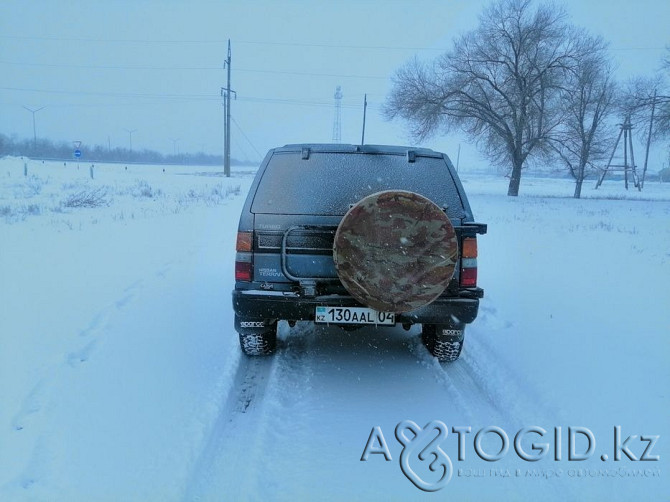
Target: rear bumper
{"points": [[290, 306]]}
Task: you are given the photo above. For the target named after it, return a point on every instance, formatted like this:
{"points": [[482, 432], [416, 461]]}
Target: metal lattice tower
{"points": [[337, 121]]}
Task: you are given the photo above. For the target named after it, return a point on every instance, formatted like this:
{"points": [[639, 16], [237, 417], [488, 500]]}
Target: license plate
{"points": [[353, 315]]}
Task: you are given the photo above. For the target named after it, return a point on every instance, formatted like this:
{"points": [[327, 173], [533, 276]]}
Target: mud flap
{"points": [[258, 337], [250, 326], [444, 342]]}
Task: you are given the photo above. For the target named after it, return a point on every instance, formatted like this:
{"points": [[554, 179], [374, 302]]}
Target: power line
{"points": [[109, 67], [309, 74], [186, 68], [111, 40], [116, 94], [214, 41], [186, 97], [286, 101], [34, 126], [255, 42], [397, 47], [239, 147], [339, 46], [245, 137]]}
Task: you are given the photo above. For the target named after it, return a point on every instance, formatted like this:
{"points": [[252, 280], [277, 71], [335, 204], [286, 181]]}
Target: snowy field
{"points": [[121, 376]]}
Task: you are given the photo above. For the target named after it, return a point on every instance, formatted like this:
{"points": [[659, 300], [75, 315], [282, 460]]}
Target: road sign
{"points": [[77, 153]]}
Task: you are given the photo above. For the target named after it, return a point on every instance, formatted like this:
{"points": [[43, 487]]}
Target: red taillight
{"points": [[469, 277], [243, 261], [242, 271], [469, 263]]}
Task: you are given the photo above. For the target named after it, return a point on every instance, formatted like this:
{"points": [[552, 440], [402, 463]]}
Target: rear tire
{"points": [[443, 342], [258, 344]]}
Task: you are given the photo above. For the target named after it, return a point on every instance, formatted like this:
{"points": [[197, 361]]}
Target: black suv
{"points": [[356, 235]]}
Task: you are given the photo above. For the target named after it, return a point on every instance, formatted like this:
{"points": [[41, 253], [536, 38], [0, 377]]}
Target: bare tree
{"points": [[587, 100], [646, 100], [642, 94], [500, 83], [663, 101], [638, 96]]}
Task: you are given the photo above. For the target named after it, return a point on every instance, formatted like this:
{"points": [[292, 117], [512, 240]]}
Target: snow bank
{"points": [[120, 374]]}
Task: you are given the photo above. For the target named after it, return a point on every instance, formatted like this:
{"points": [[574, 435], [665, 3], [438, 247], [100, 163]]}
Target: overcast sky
{"points": [[103, 68]]}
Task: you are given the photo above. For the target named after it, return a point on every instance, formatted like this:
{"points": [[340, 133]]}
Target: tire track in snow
{"points": [[461, 398], [270, 412], [482, 379], [288, 414], [222, 467], [235, 464], [498, 378]]}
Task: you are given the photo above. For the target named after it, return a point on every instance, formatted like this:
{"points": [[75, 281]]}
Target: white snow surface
{"points": [[121, 376]]}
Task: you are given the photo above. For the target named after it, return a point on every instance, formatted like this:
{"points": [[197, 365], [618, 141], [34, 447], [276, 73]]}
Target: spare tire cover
{"points": [[395, 251]]}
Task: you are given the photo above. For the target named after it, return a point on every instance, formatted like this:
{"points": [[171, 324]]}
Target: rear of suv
{"points": [[356, 235]]}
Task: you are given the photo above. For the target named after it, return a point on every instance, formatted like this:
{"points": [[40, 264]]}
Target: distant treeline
{"points": [[47, 149]]}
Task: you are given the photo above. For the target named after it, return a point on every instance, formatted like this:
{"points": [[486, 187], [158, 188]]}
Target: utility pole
{"points": [[226, 127], [458, 157], [130, 136], [651, 129], [34, 128], [337, 119], [365, 107]]}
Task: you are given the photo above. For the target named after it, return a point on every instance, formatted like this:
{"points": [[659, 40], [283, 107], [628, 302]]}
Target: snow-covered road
{"points": [[121, 376]]}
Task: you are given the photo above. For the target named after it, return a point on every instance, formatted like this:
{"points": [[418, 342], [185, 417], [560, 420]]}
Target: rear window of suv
{"points": [[328, 183]]}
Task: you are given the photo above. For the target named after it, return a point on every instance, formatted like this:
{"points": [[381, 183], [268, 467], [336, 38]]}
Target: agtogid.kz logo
{"points": [[429, 467]]}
